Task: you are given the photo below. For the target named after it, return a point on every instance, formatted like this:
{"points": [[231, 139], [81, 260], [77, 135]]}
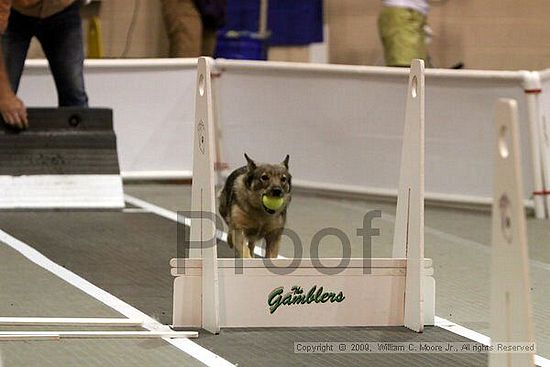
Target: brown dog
{"points": [[245, 204]]}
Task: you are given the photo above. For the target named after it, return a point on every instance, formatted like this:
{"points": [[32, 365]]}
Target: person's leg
{"points": [[183, 26], [15, 45], [402, 34], [61, 39], [417, 35]]}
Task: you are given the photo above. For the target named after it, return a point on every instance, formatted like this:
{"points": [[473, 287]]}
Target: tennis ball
{"points": [[272, 202]]}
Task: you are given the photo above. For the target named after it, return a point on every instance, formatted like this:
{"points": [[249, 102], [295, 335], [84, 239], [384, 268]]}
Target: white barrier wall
{"points": [[544, 133], [341, 124], [153, 108]]}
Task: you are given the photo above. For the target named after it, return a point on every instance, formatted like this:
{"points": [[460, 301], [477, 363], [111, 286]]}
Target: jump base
{"points": [[363, 292]]}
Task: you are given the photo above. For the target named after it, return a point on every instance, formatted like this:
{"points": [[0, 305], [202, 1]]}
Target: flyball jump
{"points": [[212, 293]]}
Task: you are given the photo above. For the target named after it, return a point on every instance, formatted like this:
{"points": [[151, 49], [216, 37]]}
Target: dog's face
{"points": [[273, 180]]}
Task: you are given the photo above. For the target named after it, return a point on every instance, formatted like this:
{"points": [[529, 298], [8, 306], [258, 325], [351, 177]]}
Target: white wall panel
{"points": [[342, 125]]}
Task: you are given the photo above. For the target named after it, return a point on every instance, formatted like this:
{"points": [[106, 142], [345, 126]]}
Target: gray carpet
{"points": [[128, 254], [275, 347]]}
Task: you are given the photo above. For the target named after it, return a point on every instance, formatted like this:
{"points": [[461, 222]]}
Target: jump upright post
{"points": [[511, 319]]}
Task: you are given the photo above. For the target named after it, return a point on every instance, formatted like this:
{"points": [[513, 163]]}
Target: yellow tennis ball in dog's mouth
{"points": [[272, 202]]}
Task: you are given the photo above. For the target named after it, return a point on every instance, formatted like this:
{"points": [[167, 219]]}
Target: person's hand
{"points": [[13, 111]]}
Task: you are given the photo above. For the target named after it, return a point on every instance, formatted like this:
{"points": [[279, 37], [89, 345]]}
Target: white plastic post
{"points": [[510, 297], [544, 146], [544, 143], [408, 240], [203, 229], [533, 88]]}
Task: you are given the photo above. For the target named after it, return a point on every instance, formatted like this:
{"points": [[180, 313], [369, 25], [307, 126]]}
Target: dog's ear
{"points": [[251, 164], [285, 162]]}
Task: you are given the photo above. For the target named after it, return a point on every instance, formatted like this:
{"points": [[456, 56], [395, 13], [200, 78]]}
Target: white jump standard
{"points": [[511, 315], [212, 293]]}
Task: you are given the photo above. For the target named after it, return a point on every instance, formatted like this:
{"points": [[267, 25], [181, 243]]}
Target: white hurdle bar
{"points": [[511, 319], [19, 335], [69, 321], [212, 293], [57, 335]]}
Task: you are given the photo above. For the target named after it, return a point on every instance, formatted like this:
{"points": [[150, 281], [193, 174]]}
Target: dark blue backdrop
{"points": [[291, 22]]}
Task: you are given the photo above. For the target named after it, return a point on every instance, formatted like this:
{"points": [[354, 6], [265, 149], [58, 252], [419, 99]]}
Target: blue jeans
{"points": [[61, 38]]}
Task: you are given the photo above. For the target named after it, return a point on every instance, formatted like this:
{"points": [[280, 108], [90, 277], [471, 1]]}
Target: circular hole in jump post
{"points": [[414, 87], [201, 85], [503, 142]]}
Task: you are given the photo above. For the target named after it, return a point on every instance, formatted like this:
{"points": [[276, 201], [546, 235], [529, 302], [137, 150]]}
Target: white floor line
{"points": [[541, 361], [440, 322], [446, 236], [135, 211], [194, 350], [462, 331], [478, 246], [168, 214], [478, 337]]}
